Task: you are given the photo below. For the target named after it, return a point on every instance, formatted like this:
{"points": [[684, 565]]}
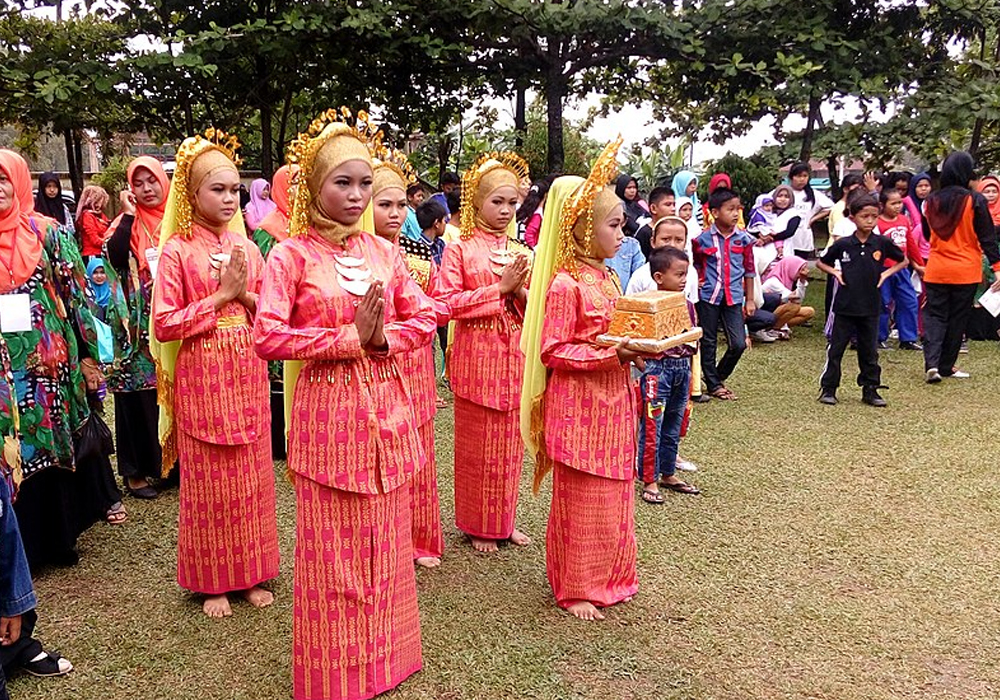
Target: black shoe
{"points": [[828, 397], [870, 396], [910, 345], [701, 398]]}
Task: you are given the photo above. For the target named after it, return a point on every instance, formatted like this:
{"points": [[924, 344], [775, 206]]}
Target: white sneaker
{"points": [[683, 465], [959, 374], [762, 337], [932, 376]]}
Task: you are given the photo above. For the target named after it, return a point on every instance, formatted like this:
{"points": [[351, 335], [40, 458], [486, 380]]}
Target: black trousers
{"points": [[731, 318], [865, 329], [946, 315], [19, 653]]}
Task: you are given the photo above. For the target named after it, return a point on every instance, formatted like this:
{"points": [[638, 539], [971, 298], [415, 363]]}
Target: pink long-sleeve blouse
{"points": [[220, 386], [352, 426], [485, 363], [589, 407]]}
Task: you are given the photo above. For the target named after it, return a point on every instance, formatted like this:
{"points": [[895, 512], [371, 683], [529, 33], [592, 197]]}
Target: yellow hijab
{"points": [[197, 159], [566, 238], [328, 144]]}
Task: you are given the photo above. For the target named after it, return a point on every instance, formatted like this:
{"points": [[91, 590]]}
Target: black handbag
{"points": [[94, 438]]}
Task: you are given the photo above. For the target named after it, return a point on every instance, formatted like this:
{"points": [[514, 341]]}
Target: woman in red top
{"points": [[961, 232], [91, 224]]}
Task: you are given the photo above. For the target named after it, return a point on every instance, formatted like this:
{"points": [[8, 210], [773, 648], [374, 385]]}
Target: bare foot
{"points": [[428, 562], [481, 545], [585, 610], [258, 597], [217, 606], [519, 538]]}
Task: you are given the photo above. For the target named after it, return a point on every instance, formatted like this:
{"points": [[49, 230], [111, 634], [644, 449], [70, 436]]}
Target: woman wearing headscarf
{"points": [[392, 174], [685, 184], [271, 230], [578, 414], [339, 306], [213, 388], [133, 252], [49, 201], [627, 190], [783, 287], [91, 224], [49, 340], [273, 226], [260, 204], [961, 232], [483, 282]]}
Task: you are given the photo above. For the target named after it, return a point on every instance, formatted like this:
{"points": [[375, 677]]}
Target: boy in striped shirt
{"points": [[723, 256]]}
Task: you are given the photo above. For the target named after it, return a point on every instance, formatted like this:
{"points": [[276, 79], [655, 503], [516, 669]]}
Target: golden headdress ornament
{"points": [[395, 160], [304, 149], [485, 164], [189, 151], [582, 204]]}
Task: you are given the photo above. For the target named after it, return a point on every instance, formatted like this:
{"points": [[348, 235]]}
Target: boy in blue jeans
{"points": [[665, 387], [18, 650], [723, 256]]}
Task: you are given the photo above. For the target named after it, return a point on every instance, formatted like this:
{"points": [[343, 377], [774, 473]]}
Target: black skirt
{"points": [[137, 418]]}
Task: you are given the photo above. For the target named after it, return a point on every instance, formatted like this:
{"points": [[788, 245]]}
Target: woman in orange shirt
{"points": [[961, 232]]}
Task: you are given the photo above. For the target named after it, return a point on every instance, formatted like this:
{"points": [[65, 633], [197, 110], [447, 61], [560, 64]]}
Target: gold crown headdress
{"points": [[302, 152], [189, 151], [395, 160], [602, 172], [471, 178]]}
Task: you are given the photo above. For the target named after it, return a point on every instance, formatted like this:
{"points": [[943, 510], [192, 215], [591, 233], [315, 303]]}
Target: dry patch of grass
{"points": [[842, 553]]}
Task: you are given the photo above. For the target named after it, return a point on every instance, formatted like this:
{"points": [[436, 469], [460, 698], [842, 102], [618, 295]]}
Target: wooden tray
{"points": [[649, 346]]}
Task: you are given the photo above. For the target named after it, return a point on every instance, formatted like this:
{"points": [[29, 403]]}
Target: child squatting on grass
{"points": [[857, 301]]}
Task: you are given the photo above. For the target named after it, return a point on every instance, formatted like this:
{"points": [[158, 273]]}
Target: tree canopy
{"points": [[924, 76]]}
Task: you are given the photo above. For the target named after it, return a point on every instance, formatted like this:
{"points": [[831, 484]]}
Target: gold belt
{"points": [[370, 371], [231, 321]]}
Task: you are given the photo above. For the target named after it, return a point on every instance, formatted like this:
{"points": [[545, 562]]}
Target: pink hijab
{"points": [[786, 270], [259, 206]]}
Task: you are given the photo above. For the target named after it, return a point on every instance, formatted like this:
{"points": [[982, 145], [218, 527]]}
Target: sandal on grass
{"points": [[653, 497], [723, 394], [50, 665], [116, 514], [682, 487]]}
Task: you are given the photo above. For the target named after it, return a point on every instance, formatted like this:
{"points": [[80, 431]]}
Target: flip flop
{"points": [[681, 487], [652, 497], [723, 394], [116, 514]]}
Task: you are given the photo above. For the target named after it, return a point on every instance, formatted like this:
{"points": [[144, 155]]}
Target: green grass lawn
{"points": [[840, 553]]}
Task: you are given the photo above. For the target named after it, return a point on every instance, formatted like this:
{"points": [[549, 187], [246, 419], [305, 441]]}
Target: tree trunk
{"points": [[520, 116], [266, 140], [977, 129], [831, 169], [555, 93], [283, 125], [71, 163], [807, 136], [77, 176], [444, 153]]}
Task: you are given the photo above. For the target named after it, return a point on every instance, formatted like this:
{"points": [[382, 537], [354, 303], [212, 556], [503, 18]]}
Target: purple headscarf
{"points": [[259, 206]]}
